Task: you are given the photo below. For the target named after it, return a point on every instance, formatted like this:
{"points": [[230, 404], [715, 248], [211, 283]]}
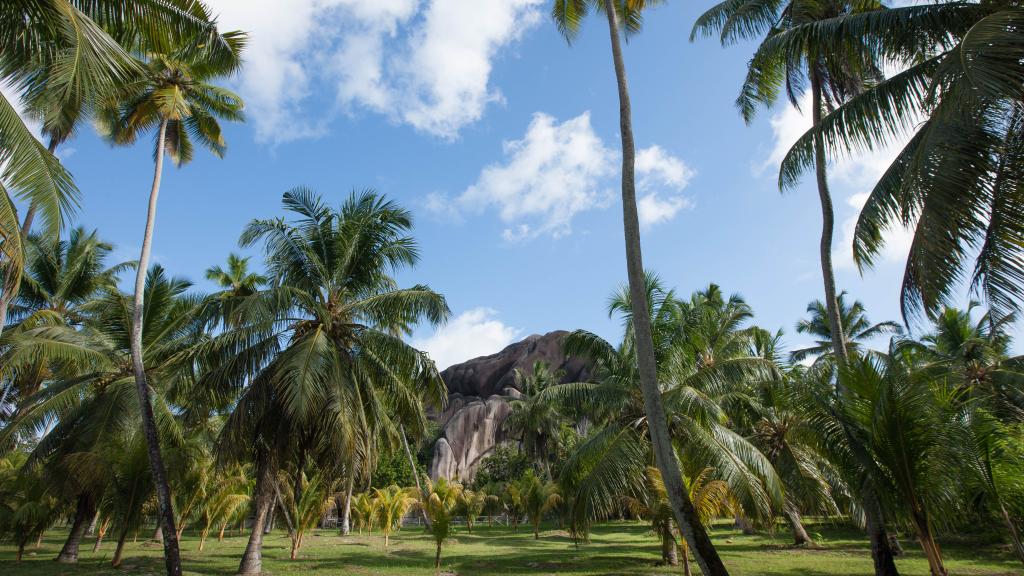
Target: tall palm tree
{"points": [[857, 329], [834, 76], [958, 81], [624, 17], [173, 97], [319, 354], [61, 56]]}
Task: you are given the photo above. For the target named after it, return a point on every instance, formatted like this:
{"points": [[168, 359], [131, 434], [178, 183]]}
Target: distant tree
{"points": [[440, 503]]}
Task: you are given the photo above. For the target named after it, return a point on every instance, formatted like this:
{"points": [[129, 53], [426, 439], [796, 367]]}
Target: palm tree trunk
{"points": [[252, 559], [1018, 547], [437, 557], [668, 546], [415, 473], [21, 551], [172, 556], [85, 508], [119, 551], [346, 508], [928, 544], [881, 548], [284, 511], [686, 558], [220, 535], [800, 536], [100, 533], [682, 507], [827, 221]]}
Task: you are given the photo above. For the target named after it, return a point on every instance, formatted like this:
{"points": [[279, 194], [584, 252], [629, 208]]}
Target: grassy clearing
{"points": [[616, 548]]}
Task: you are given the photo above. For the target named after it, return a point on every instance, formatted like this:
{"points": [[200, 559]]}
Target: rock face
{"points": [[478, 394]]}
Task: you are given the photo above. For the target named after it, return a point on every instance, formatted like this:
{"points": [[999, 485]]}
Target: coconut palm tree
{"points": [[857, 329], [472, 504], [318, 355], [90, 397], [362, 511], [26, 507], [390, 505], [710, 498], [60, 57], [174, 98], [307, 507], [223, 502], [538, 497], [957, 79], [62, 279], [534, 422], [440, 502], [834, 76], [704, 356], [236, 283], [625, 17]]}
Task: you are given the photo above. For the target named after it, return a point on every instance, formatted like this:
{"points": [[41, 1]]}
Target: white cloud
{"points": [[426, 63], [473, 333], [556, 171], [851, 178], [660, 179], [653, 209]]}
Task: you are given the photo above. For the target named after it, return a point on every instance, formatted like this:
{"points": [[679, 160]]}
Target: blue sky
{"points": [[503, 140]]}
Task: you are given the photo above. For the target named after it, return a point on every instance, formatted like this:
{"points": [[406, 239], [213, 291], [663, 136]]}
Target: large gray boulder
{"points": [[479, 389]]}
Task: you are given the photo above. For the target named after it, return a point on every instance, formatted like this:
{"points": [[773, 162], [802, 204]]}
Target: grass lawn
{"points": [[616, 548]]}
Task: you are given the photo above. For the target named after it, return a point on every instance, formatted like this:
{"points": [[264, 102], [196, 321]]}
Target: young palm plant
{"points": [[625, 17], [172, 96], [538, 497], [390, 505], [472, 504], [440, 503]]}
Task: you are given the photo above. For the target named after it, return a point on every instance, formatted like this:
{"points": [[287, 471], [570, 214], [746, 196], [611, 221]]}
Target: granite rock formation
{"points": [[478, 395]]}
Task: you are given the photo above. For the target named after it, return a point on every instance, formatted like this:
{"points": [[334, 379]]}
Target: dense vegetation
{"points": [[293, 391]]}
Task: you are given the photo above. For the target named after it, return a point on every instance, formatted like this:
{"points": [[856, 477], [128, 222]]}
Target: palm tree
{"points": [[472, 503], [236, 283], [538, 497], [834, 76], [958, 82], [389, 507], [308, 507], [62, 279], [172, 96], [61, 56], [223, 502], [440, 502], [319, 355], [26, 507], [534, 422], [96, 380], [710, 498], [624, 16], [857, 329], [704, 355], [362, 510]]}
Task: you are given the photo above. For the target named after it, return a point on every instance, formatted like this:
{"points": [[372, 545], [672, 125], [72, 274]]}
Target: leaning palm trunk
{"points": [[252, 559], [415, 474], [172, 556], [682, 507], [1018, 547], [119, 551], [928, 543], [85, 508], [100, 533], [800, 536]]}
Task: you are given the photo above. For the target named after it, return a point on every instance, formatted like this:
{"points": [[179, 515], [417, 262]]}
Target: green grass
{"points": [[615, 548]]}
